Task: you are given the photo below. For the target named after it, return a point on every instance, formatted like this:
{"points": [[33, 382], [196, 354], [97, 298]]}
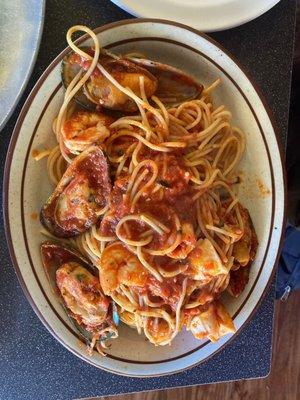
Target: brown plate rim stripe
{"points": [[24, 110]]}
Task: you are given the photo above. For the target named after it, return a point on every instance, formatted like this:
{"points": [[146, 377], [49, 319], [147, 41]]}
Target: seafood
{"points": [[85, 128], [168, 83], [80, 196], [82, 294], [98, 90], [76, 283], [157, 330], [118, 266], [200, 294], [101, 91], [205, 262], [238, 281], [245, 249], [187, 243], [174, 86], [212, 323]]}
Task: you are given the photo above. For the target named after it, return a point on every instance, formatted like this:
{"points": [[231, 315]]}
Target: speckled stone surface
{"points": [[33, 364]]}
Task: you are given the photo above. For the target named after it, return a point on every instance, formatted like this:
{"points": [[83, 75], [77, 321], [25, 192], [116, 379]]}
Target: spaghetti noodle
{"points": [[172, 229]]}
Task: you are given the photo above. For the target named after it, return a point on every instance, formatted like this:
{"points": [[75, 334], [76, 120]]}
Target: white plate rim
{"points": [[137, 11], [7, 176]]}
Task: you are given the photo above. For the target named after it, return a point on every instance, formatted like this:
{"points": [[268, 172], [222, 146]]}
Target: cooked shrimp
{"points": [[118, 266], [85, 128]]}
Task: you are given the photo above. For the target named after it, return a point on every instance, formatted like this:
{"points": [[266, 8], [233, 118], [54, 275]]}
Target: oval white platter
{"points": [[26, 188]]}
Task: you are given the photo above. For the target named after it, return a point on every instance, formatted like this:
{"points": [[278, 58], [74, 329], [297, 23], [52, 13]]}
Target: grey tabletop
{"points": [[33, 364]]}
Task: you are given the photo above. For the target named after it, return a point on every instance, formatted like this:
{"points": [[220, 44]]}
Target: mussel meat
{"points": [[244, 250], [79, 197], [238, 280], [98, 90], [101, 91], [70, 67], [77, 285]]}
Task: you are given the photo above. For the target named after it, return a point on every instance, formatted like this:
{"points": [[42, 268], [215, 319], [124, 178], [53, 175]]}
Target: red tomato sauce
{"points": [[176, 200]]}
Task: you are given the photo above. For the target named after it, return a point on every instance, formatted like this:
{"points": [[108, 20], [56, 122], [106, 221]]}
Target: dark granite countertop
{"points": [[33, 364]]}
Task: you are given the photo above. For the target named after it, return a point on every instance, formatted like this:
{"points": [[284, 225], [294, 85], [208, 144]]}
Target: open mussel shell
{"points": [[174, 85], [53, 257], [238, 280], [128, 74], [170, 84], [98, 90], [69, 69], [80, 195]]}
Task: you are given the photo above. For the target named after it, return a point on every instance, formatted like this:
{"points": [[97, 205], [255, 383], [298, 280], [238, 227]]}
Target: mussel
{"points": [[244, 250], [170, 84], [79, 197], [98, 90], [69, 69], [78, 287], [174, 86], [238, 280]]}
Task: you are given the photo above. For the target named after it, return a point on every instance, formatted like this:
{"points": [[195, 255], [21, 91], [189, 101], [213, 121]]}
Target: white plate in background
{"points": [[21, 26], [205, 15]]}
